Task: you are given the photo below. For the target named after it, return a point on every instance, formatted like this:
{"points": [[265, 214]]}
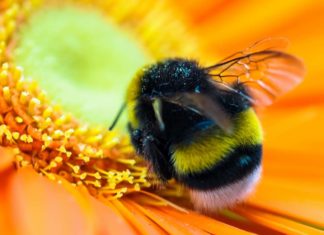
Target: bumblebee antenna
{"points": [[117, 116]]}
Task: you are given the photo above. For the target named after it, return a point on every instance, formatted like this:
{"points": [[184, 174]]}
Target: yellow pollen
{"points": [[62, 149], [68, 133], [57, 134], [11, 25], [20, 84], [6, 93], [47, 112], [75, 168], [83, 176], [107, 173], [4, 131], [3, 77], [32, 85], [44, 124], [81, 146], [58, 159], [80, 176], [95, 183], [89, 151], [5, 66], [11, 12], [83, 158], [15, 135], [18, 73], [52, 164], [24, 163], [140, 174], [99, 153], [47, 141], [42, 96], [127, 161], [33, 104], [94, 139], [69, 150], [49, 175], [120, 190], [146, 184], [138, 168], [2, 44], [19, 119], [26, 138], [127, 150], [96, 175], [61, 120], [81, 130], [68, 154], [2, 37], [23, 99]]}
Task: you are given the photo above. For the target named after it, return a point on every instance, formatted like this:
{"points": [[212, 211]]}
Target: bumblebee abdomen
{"points": [[214, 159], [231, 168]]}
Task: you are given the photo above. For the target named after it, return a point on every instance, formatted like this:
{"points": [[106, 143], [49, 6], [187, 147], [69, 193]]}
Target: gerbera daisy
{"points": [[63, 173]]}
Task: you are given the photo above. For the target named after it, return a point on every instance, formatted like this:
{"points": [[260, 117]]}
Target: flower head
{"points": [[94, 182]]}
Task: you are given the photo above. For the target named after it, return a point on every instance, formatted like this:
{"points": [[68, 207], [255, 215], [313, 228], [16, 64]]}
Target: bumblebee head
{"points": [[172, 76]]}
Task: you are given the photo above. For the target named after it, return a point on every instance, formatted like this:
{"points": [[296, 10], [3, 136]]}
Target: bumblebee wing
{"points": [[204, 105], [265, 71]]}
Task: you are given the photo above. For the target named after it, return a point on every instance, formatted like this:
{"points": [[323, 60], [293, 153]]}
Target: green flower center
{"points": [[80, 59]]}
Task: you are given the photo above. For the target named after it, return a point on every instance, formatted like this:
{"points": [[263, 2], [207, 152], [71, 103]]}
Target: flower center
{"points": [[82, 60]]}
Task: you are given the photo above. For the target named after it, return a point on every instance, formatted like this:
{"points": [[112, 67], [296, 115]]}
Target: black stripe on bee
{"points": [[233, 167]]}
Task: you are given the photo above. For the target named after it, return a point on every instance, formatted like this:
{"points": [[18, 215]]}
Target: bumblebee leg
{"points": [[154, 151], [136, 138]]}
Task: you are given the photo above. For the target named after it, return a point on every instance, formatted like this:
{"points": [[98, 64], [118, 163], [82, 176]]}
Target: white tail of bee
{"points": [[210, 201]]}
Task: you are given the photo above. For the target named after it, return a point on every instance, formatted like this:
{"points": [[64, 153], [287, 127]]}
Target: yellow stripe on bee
{"points": [[213, 145], [132, 94]]}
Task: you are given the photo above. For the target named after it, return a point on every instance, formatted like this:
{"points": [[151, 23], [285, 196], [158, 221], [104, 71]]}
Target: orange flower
{"points": [[94, 183], [291, 187]]}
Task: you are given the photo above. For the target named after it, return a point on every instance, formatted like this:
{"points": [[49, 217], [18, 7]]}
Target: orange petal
{"points": [[198, 13], [150, 227], [293, 142], [204, 223], [171, 225], [7, 225], [293, 165], [299, 130], [109, 220], [41, 206], [309, 47], [6, 158], [226, 29], [245, 22], [276, 222], [296, 198]]}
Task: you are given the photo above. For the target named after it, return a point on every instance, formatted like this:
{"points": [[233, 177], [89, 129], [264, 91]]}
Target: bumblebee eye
{"points": [[157, 107]]}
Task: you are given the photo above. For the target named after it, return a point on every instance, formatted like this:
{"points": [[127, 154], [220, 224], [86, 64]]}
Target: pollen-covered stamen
{"points": [[56, 144], [53, 142]]}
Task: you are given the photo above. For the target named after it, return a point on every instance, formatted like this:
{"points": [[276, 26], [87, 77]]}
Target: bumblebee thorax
{"points": [[171, 76]]}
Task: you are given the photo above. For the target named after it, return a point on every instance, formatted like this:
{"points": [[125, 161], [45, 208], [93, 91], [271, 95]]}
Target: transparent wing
{"points": [[204, 105], [265, 71]]}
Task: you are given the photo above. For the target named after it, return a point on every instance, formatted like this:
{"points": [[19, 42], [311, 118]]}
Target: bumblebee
{"points": [[198, 124]]}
